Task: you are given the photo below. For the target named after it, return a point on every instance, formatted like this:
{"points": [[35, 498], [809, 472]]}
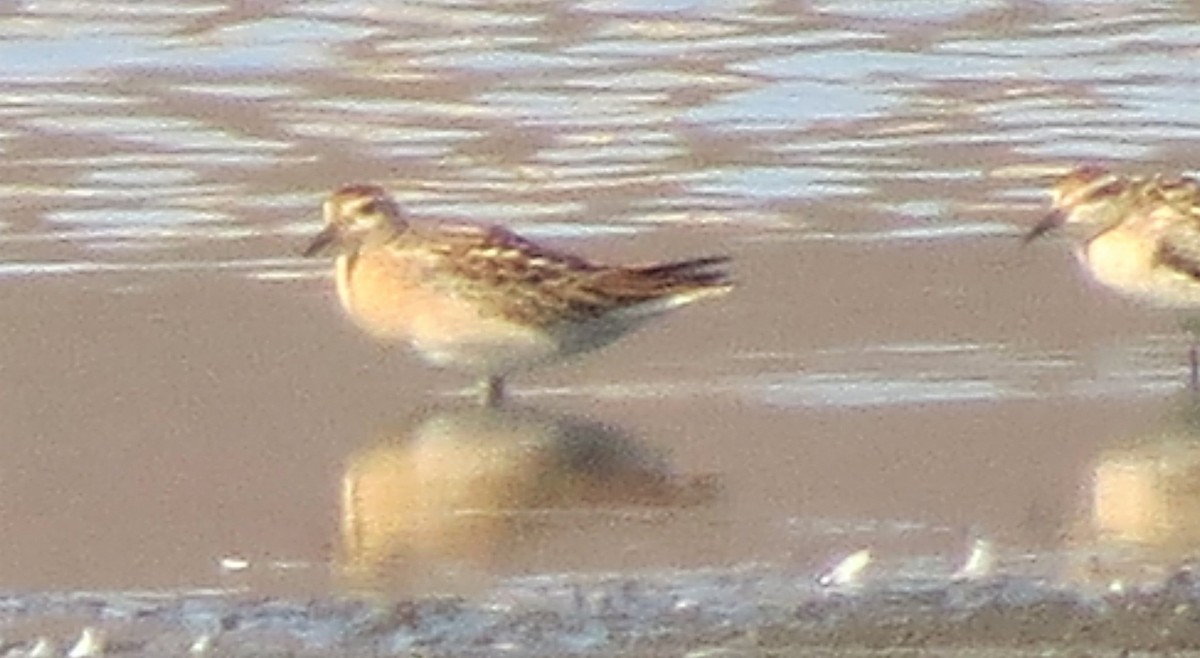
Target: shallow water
{"points": [[184, 405]]}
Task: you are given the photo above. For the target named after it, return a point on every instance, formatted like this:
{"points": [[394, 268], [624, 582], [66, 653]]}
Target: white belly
{"points": [[496, 349], [1127, 264]]}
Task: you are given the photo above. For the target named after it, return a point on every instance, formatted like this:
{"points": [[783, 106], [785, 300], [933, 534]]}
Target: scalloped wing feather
{"points": [[529, 283]]}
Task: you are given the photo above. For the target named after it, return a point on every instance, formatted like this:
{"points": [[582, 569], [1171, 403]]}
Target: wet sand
{"points": [[747, 612], [220, 414], [234, 418]]}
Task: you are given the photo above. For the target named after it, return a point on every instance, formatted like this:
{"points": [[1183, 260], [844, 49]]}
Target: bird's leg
{"points": [[491, 391]]}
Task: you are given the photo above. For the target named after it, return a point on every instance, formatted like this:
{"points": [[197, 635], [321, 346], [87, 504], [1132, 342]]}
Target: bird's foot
{"points": [[491, 391]]}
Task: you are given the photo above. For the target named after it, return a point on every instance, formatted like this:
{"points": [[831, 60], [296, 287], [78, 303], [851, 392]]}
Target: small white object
{"points": [[201, 645], [979, 563], [289, 565], [687, 608], [43, 648], [847, 571], [90, 643], [713, 652], [234, 563]]}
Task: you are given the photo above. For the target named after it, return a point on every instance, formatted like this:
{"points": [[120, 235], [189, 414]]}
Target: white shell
{"points": [[979, 563], [846, 572], [202, 645], [90, 643], [234, 563], [43, 648]]}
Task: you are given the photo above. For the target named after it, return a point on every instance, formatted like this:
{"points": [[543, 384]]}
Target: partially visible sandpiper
{"points": [[1139, 236], [485, 299]]}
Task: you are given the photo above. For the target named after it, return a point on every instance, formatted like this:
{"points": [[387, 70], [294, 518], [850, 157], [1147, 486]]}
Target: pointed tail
{"points": [[674, 284], [706, 272]]}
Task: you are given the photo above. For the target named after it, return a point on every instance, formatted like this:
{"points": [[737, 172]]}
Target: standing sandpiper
{"points": [[485, 299], [1139, 236]]}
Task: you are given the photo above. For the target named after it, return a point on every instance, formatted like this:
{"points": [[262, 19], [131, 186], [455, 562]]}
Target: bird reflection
{"points": [[444, 504], [1143, 520]]}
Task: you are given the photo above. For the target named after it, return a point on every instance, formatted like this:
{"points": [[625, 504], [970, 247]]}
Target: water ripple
{"points": [[687, 112]]}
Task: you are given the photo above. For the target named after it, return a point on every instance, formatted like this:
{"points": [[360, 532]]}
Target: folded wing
{"points": [[544, 287]]}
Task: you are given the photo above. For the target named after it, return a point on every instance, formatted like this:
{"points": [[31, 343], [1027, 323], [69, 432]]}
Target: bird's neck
{"points": [[378, 236]]}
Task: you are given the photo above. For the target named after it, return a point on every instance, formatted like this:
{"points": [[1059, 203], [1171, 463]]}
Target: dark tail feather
{"points": [[706, 271], [697, 277]]}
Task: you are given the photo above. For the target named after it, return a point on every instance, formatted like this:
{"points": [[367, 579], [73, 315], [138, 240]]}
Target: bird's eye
{"points": [[369, 208]]}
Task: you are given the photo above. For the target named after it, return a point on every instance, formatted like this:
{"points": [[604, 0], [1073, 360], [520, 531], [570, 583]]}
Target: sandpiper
{"points": [[1139, 236], [485, 299]]}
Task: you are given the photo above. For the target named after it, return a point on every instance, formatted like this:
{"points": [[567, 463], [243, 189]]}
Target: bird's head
{"points": [[354, 215], [1086, 201]]}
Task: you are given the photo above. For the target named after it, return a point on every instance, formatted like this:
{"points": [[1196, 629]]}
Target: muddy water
{"points": [[184, 406]]}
